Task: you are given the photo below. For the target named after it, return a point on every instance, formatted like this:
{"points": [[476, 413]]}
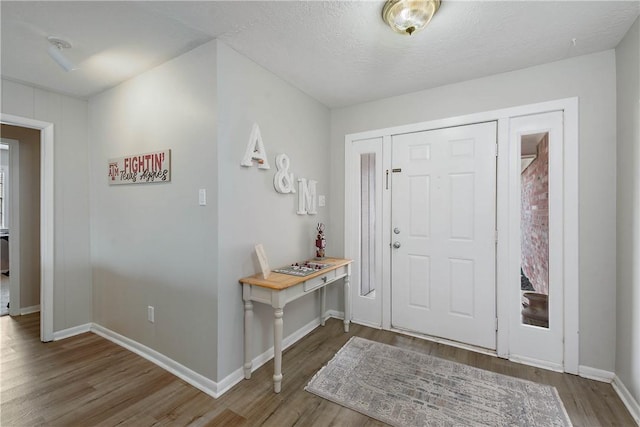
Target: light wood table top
{"points": [[279, 281]]}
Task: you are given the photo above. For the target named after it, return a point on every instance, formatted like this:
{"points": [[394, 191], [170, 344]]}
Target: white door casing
{"points": [[443, 218]]}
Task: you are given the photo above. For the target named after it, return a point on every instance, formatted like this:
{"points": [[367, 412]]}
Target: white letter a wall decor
{"points": [[255, 150]]}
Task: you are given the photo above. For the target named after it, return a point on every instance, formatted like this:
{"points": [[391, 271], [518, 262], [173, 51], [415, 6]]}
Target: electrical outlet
{"points": [[150, 314]]}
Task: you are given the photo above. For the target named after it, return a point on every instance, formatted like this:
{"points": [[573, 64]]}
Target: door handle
{"points": [[396, 245]]}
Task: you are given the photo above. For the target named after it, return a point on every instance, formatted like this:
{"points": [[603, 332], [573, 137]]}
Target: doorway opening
{"points": [[21, 232], [5, 286], [44, 252]]}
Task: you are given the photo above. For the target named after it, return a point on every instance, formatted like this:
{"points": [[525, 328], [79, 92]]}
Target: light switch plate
{"points": [[321, 201]]}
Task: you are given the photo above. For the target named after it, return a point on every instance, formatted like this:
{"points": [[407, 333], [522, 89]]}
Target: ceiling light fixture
{"points": [[55, 52], [409, 16]]}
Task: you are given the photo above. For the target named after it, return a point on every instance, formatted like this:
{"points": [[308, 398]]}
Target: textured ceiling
{"points": [[339, 52]]}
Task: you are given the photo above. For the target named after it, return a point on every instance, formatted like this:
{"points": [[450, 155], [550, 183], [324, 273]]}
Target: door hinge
{"points": [[496, 324], [496, 149], [496, 236]]}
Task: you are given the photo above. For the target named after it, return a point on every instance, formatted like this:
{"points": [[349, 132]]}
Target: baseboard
{"points": [[29, 310], [238, 375], [543, 364], [367, 324], [596, 374], [287, 342], [625, 395], [197, 380], [70, 332], [335, 314]]}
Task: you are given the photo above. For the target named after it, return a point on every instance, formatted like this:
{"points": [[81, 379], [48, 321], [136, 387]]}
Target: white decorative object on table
{"points": [[255, 150], [283, 180], [307, 200], [262, 259]]}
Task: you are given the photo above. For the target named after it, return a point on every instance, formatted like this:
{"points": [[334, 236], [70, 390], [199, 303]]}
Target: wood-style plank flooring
{"points": [[89, 381]]}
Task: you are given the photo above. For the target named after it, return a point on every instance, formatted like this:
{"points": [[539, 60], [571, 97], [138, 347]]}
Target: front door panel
{"points": [[443, 258]]}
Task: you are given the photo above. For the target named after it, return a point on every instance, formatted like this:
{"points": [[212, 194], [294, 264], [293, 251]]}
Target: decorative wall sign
{"points": [[255, 150], [307, 199], [283, 180], [141, 168]]}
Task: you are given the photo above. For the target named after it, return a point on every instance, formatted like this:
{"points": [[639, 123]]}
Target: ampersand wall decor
{"points": [[283, 180]]}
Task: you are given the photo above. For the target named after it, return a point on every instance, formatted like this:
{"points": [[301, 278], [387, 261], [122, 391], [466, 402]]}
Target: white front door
{"points": [[444, 233]]}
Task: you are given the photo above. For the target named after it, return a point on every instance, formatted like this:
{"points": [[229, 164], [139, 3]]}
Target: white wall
{"points": [[592, 79], [628, 251], [152, 244], [72, 273], [250, 211]]}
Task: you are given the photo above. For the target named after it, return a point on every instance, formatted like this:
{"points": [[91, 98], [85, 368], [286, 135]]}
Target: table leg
{"points": [[347, 300], [277, 349], [323, 304], [248, 329]]}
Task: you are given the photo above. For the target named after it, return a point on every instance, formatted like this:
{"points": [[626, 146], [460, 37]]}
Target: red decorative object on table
{"points": [[320, 241]]}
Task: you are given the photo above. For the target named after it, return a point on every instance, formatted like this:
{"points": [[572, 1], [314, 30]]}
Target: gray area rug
{"points": [[405, 388]]}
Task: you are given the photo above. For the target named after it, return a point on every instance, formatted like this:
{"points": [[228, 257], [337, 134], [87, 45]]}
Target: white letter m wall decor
{"points": [[307, 197]]}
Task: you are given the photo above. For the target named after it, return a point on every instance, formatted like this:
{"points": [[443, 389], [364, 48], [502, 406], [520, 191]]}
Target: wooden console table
{"points": [[277, 291]]}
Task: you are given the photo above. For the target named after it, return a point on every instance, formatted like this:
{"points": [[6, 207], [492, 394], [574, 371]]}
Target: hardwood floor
{"points": [[89, 381]]}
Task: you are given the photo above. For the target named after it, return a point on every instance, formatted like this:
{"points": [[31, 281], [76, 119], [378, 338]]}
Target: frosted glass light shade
{"points": [[409, 16]]}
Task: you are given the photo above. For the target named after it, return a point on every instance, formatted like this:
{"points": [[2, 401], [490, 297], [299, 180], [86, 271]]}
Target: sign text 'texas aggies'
{"points": [[140, 168]]}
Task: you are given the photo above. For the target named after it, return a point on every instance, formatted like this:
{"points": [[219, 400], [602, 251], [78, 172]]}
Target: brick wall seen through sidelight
{"points": [[534, 225]]}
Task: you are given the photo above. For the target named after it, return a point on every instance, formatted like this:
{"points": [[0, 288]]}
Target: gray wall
{"points": [[592, 78], [152, 244], [628, 251], [250, 210], [72, 272], [29, 200]]}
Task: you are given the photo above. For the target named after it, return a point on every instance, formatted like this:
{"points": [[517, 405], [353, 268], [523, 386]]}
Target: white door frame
{"points": [[14, 225], [571, 218], [46, 218]]}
